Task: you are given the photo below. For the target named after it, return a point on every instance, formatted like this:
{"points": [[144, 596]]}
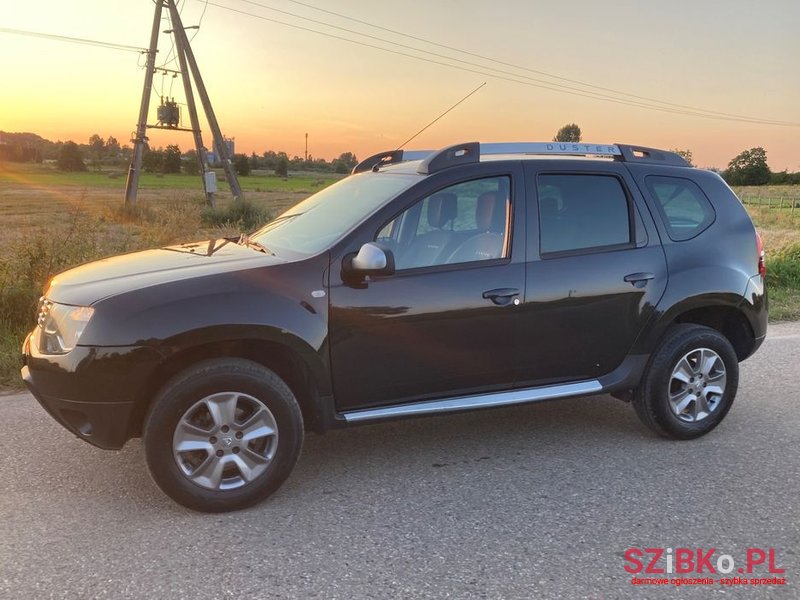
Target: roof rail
{"points": [[376, 161], [450, 157], [642, 154], [471, 152], [569, 148]]}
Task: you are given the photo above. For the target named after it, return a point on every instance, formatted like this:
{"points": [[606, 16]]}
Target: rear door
{"points": [[595, 271]]}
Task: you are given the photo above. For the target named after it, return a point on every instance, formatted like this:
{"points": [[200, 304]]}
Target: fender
{"points": [[273, 304], [688, 290]]}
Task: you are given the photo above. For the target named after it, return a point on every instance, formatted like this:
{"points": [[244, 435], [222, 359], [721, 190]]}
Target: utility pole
{"points": [[189, 70], [209, 183], [183, 47], [306, 147], [140, 140]]}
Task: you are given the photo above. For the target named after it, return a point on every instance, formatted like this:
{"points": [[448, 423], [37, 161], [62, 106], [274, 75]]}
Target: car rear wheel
{"points": [[690, 383], [223, 435]]}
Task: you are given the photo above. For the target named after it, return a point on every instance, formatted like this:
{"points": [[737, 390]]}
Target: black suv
{"points": [[476, 276]]}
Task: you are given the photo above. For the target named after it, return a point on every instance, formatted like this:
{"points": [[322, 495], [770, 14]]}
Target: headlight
{"points": [[60, 326]]}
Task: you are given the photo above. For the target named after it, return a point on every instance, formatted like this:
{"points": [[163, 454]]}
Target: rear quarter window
{"points": [[684, 207]]}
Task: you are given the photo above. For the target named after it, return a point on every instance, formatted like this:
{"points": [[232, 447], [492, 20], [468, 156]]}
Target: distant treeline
{"points": [[98, 153], [747, 168]]}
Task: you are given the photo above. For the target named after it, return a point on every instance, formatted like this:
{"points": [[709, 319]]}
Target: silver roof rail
{"points": [[376, 161], [570, 148], [471, 152]]}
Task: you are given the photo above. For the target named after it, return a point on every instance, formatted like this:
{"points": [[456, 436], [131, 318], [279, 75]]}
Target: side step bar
{"points": [[460, 403]]}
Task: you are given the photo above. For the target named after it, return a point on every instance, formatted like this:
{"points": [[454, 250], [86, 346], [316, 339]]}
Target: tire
{"points": [[222, 435], [681, 409]]}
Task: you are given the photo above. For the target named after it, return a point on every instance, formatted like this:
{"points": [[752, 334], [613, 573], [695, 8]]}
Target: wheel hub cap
{"points": [[697, 385], [225, 441]]}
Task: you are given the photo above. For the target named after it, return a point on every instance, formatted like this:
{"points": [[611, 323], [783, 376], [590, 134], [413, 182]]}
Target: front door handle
{"points": [[501, 296], [639, 280]]}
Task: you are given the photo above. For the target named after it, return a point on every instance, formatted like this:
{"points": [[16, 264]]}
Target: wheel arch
{"points": [[720, 312], [302, 372]]}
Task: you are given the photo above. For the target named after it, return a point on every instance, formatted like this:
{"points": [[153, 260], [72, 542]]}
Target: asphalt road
{"points": [[538, 501]]}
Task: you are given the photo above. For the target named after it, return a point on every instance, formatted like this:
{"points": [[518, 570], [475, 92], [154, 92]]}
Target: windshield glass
{"points": [[324, 218]]}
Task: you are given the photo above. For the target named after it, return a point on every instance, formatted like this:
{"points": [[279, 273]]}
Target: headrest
{"points": [[442, 207], [548, 205], [490, 212]]}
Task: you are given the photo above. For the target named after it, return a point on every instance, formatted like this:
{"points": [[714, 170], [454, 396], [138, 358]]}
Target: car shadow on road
{"points": [[546, 436]]}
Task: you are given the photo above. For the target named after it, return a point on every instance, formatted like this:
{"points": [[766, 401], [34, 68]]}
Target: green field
{"points": [[52, 221], [115, 179]]}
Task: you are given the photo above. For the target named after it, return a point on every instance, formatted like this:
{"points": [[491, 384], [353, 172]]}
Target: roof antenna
{"points": [[441, 115]]}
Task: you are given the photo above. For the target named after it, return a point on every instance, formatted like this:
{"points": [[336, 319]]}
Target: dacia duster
{"points": [[476, 276]]}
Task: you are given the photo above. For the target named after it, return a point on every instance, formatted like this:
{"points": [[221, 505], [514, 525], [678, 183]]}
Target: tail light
{"points": [[762, 266]]}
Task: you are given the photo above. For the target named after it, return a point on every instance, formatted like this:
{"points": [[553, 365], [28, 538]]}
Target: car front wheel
{"points": [[223, 435]]}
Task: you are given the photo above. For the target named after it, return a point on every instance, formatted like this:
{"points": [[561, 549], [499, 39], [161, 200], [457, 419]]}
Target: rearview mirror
{"points": [[372, 259]]}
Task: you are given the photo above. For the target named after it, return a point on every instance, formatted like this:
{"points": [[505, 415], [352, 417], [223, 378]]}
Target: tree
{"points": [[568, 133], [282, 165], [172, 159], [749, 168], [97, 145], [269, 160], [112, 146], [345, 162], [190, 164], [242, 164], [685, 155], [153, 160], [69, 158]]}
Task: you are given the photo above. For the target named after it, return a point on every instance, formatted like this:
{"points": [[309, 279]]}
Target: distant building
{"points": [[214, 155]]}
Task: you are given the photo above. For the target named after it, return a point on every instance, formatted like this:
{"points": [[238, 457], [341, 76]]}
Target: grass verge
{"points": [[31, 258], [783, 283]]}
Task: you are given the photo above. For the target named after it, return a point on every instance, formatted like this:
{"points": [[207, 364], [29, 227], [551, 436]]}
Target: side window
{"points": [[578, 212], [463, 223], [683, 205]]}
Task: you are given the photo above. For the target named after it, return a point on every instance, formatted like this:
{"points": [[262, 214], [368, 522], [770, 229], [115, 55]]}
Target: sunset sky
{"points": [[271, 83]]}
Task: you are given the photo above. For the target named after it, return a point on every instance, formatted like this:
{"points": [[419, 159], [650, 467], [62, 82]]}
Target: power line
{"points": [[169, 58], [524, 68], [200, 22], [74, 40], [515, 78], [646, 101]]}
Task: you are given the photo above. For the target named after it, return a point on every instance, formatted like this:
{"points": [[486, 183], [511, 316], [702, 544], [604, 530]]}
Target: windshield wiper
{"points": [[244, 240], [283, 218]]}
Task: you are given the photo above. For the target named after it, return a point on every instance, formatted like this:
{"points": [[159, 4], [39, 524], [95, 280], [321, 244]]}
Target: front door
{"points": [[445, 323]]}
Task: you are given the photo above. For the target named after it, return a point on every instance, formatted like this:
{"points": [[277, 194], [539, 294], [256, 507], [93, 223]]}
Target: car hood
{"points": [[94, 281]]}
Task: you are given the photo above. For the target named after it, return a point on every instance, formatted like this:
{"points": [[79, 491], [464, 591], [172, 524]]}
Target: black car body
{"points": [[486, 275]]}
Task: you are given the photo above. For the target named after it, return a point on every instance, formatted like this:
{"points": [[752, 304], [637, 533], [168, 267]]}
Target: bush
{"points": [[282, 167], [242, 165], [172, 159], [28, 262], [27, 265], [241, 215], [70, 158], [132, 213], [783, 268]]}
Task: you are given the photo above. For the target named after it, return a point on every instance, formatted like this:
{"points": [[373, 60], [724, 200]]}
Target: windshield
{"points": [[324, 218]]}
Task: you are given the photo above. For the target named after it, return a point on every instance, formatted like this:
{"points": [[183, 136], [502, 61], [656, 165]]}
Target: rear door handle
{"points": [[501, 296], [639, 280]]}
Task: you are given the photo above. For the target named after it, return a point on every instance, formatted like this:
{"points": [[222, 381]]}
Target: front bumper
{"points": [[94, 392]]}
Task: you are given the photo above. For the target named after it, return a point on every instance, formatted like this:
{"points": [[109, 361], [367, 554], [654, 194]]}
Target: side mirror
{"points": [[372, 259]]}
